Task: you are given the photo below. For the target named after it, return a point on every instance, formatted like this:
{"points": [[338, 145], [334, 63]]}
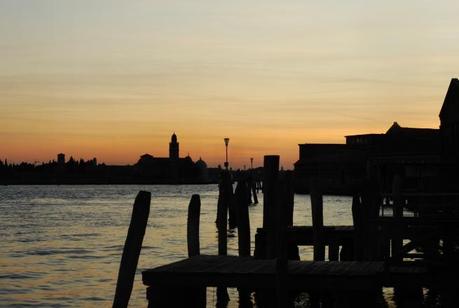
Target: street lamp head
{"points": [[226, 141]]}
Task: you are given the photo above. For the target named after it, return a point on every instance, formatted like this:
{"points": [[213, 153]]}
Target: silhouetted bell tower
{"points": [[174, 147]]}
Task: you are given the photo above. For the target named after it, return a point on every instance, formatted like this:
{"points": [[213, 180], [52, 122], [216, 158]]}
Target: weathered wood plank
{"points": [[251, 273]]}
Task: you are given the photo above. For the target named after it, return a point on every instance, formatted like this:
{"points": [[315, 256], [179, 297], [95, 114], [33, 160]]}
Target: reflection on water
{"points": [[61, 245]]}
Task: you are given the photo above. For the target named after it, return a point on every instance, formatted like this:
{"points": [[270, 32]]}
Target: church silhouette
{"points": [[172, 169]]}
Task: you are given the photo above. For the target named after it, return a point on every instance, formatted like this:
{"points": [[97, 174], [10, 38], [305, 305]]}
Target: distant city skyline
{"points": [[113, 79]]}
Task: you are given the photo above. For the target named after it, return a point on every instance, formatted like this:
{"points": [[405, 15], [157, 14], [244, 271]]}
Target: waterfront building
{"points": [[421, 156]]}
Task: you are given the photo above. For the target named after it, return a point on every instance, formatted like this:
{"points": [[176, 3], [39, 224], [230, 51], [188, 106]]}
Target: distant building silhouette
{"points": [[172, 169], [174, 147], [61, 159], [420, 155], [203, 171], [148, 170]]}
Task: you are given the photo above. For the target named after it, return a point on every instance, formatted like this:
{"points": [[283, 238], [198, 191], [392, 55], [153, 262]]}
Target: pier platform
{"points": [[247, 272]]}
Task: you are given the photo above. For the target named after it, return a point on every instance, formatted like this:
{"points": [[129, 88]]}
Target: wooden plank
{"points": [[230, 271]]}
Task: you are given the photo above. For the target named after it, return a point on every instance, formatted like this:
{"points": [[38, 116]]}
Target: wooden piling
{"points": [[270, 187], [280, 227], [243, 228], [195, 295], [317, 222], [222, 219], [194, 211], [232, 211], [397, 240], [254, 191], [358, 222], [289, 197], [132, 247], [372, 202], [243, 220], [333, 252]]}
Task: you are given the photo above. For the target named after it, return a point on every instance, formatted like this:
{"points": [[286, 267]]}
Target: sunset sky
{"points": [[114, 79]]}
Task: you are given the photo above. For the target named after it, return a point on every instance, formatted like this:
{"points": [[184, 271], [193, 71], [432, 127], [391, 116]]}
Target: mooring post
{"points": [[222, 218], [243, 219], [288, 203], [196, 297], [265, 246], [243, 227], [358, 222], [317, 222], [194, 211], [289, 200], [333, 251], [231, 203], [270, 183], [222, 225], [280, 223], [374, 238], [397, 208], [317, 229], [253, 188], [132, 247]]}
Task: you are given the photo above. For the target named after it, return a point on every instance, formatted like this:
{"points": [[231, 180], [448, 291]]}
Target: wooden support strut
{"points": [[132, 247]]}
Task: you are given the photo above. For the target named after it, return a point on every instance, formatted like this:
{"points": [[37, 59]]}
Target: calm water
{"points": [[61, 245]]}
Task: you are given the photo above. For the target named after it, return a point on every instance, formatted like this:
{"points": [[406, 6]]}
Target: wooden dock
{"points": [[332, 278], [362, 258], [247, 272]]}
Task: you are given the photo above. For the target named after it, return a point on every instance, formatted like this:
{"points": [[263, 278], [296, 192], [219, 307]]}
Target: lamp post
{"points": [[251, 162], [226, 148]]}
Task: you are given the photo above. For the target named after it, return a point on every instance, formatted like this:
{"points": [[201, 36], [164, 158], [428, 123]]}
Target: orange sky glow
{"points": [[114, 79]]}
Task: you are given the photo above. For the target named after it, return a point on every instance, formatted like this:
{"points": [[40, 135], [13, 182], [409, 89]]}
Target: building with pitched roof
{"points": [[420, 155]]}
